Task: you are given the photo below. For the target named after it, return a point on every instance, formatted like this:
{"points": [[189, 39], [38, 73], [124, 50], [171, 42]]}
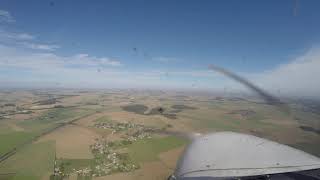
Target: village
{"points": [[137, 129], [109, 156]]}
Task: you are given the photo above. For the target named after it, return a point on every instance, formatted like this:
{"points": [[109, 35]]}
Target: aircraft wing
{"points": [[229, 154]]}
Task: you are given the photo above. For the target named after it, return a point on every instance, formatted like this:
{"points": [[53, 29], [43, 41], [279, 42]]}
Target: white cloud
{"points": [[300, 77], [165, 59], [48, 47], [81, 70], [5, 16], [18, 39], [23, 36], [6, 36], [85, 59], [13, 57], [25, 40], [82, 55], [84, 70]]}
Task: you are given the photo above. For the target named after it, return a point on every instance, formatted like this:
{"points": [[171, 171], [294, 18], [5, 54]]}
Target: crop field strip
{"points": [[59, 125]]}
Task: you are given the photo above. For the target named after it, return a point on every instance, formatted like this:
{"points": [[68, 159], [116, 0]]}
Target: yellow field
{"points": [[72, 142]]}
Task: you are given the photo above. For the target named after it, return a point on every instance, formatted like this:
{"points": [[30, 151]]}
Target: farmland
{"points": [[110, 134]]}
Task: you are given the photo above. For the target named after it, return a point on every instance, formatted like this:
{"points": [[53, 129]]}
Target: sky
{"points": [[165, 44]]}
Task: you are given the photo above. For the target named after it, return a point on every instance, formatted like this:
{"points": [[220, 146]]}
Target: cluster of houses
{"points": [[120, 127], [139, 134], [83, 172], [58, 171], [59, 174], [109, 160], [117, 126]]}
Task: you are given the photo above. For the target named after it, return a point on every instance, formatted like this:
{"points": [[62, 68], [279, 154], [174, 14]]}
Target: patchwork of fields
{"points": [[128, 135]]}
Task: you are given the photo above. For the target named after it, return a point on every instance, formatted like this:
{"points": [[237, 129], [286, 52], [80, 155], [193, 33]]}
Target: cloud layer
{"points": [[23, 39], [299, 77], [12, 57], [38, 46], [6, 17]]}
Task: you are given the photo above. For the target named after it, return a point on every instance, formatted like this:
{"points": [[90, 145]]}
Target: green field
{"points": [[148, 149], [10, 140], [52, 116], [36, 126], [32, 162], [4, 127], [103, 119], [222, 120]]}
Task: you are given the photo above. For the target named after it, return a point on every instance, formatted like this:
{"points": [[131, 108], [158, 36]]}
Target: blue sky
{"points": [[155, 43]]}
